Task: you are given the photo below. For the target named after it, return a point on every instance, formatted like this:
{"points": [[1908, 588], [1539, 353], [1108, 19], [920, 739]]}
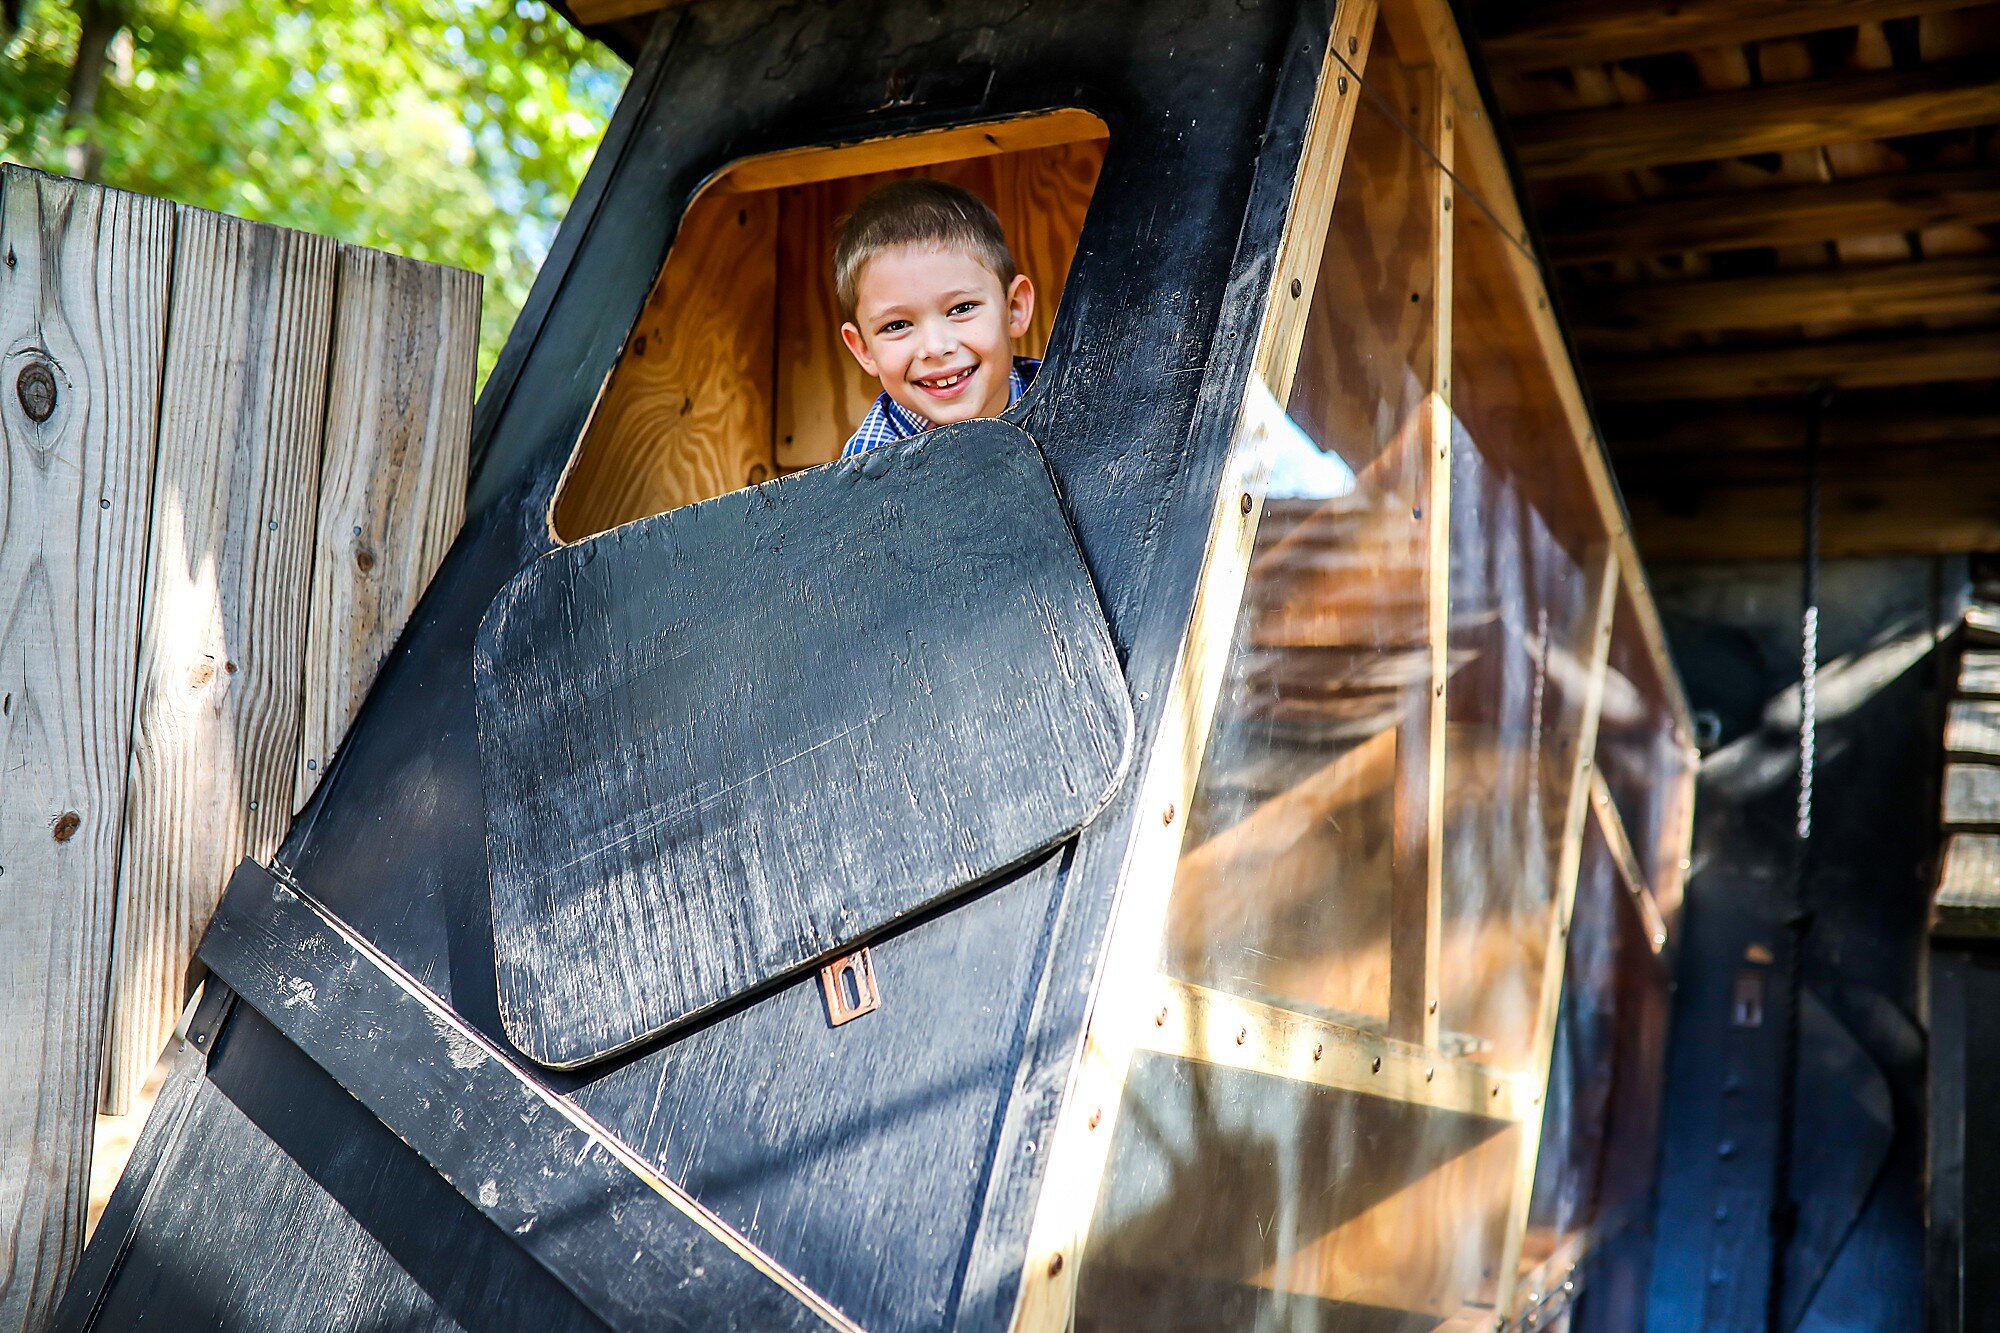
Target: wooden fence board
{"points": [[215, 751], [83, 298], [392, 476]]}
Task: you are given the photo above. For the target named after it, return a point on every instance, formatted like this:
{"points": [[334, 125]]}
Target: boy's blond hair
{"points": [[927, 213]]}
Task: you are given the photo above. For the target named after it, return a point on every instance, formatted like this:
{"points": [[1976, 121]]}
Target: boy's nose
{"points": [[941, 342]]}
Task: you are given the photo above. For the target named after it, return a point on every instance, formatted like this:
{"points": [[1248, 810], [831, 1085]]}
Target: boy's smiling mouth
{"points": [[947, 386]]}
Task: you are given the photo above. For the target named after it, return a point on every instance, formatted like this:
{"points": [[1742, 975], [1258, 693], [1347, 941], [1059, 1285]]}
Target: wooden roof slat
{"points": [[1969, 889], [1582, 32], [1640, 437], [1971, 796], [1979, 674], [1796, 214], [1781, 117], [1868, 293], [1854, 363], [1972, 729]]}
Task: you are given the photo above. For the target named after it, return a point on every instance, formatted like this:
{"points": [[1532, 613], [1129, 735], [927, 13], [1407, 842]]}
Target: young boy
{"points": [[932, 299]]}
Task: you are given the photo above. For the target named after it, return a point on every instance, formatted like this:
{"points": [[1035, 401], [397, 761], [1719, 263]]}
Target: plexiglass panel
{"points": [[1328, 1122], [1594, 1173]]}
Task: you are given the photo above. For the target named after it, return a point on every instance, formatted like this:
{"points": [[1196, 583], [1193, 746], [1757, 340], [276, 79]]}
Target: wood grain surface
{"points": [[215, 750], [932, 679], [392, 474], [687, 413], [1971, 796], [1968, 896], [83, 298]]}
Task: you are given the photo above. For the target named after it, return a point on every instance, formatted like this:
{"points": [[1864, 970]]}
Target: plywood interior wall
{"points": [[735, 373]]}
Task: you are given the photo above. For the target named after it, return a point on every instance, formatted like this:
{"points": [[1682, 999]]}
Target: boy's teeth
{"points": [[948, 380]]}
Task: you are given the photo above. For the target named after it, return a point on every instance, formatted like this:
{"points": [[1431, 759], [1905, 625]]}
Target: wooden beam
{"points": [[1847, 294], [1789, 215], [1668, 438], [1196, 1023], [1794, 368], [1416, 914], [1585, 32], [1869, 506], [1777, 118], [590, 13]]}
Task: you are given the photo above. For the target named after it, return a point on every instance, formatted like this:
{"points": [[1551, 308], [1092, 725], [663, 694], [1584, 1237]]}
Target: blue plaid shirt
{"points": [[888, 422]]}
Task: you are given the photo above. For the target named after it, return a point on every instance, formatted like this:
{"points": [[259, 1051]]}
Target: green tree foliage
{"points": [[449, 130]]}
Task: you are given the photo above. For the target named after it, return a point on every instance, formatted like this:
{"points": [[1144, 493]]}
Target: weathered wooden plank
{"points": [[83, 299], [634, 1248], [392, 475], [1580, 32], [1795, 368], [1789, 215], [215, 752], [1968, 896], [947, 693], [1878, 293], [1776, 118], [1972, 728], [1971, 796], [1979, 674]]}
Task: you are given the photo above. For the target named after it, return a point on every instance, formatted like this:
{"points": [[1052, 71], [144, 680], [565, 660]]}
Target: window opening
{"points": [[734, 372]]}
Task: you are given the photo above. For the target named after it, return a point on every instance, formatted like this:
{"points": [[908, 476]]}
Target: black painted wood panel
{"points": [[638, 1253], [727, 741]]}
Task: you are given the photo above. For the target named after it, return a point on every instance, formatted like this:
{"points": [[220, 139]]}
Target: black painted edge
{"points": [[119, 1226], [315, 979], [1065, 996]]}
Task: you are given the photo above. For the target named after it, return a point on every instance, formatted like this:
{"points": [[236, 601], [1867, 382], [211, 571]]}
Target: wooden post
{"points": [[1416, 911]]}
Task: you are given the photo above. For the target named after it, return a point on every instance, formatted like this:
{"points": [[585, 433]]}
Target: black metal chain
{"points": [[1798, 917]]}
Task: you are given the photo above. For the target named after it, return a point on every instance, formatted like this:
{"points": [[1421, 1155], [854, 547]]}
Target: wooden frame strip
{"points": [[1612, 826], [1555, 955], [1196, 1023], [626, 1241], [1416, 924], [1079, 1145]]}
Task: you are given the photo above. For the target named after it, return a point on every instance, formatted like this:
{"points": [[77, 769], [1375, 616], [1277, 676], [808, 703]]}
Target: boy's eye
{"points": [[964, 307], [894, 326]]}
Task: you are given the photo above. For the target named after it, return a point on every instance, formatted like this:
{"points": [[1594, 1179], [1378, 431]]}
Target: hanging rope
{"points": [[1798, 919]]}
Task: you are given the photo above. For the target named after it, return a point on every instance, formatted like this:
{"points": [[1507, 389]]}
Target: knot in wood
{"points": [[35, 386], [66, 825]]}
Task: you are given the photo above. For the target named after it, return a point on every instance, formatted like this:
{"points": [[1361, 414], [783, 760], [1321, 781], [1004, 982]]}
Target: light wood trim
{"points": [[1416, 913], [1555, 953], [1795, 368], [1196, 1023], [1789, 215], [1080, 1142], [1587, 32], [590, 13], [1873, 293], [1844, 108], [805, 166], [1483, 173], [1637, 882]]}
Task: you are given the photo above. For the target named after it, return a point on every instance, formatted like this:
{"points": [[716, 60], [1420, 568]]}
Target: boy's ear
{"points": [[1020, 305], [850, 333]]}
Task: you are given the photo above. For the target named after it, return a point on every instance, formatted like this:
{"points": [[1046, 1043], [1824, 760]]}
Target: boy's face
{"points": [[936, 327]]}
